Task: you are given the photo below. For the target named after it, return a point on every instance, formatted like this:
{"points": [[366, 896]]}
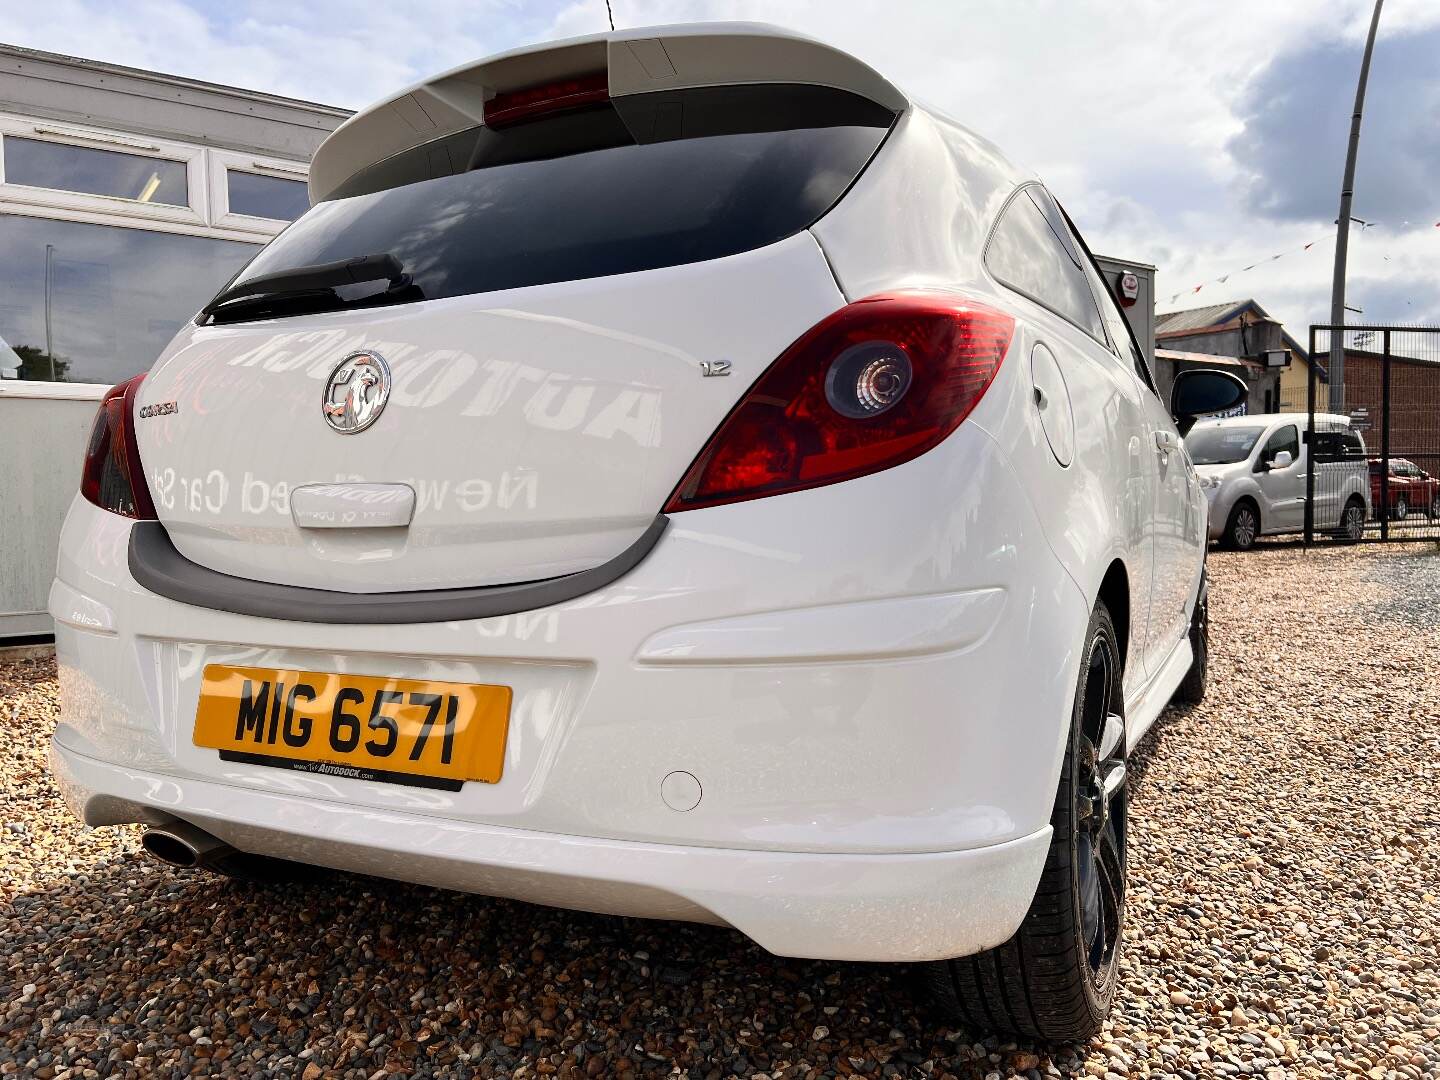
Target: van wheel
{"points": [[1192, 688], [1055, 979], [1352, 522], [1243, 526]]}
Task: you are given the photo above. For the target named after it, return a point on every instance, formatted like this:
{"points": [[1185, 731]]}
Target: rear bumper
{"points": [[872, 688], [893, 907]]}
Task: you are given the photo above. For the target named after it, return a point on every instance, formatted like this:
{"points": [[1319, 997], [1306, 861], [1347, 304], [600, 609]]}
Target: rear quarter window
{"points": [[642, 182], [1334, 446], [1031, 252]]}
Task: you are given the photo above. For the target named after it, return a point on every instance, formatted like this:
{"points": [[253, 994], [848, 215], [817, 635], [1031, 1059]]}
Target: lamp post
{"points": [[1342, 229]]}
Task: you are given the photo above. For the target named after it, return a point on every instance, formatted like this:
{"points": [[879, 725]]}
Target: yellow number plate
{"points": [[401, 731]]}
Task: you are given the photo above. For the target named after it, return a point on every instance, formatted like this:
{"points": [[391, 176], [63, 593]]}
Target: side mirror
{"points": [[1283, 460], [1205, 392]]}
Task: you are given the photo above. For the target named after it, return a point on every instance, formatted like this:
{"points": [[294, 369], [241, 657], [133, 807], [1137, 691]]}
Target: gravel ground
{"points": [[1283, 916], [1409, 589]]}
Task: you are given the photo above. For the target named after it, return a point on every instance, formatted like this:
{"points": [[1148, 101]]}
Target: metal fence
{"points": [[1373, 466]]}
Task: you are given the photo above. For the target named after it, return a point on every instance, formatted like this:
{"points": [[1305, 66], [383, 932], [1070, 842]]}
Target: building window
{"points": [[266, 196], [88, 171], [97, 303]]}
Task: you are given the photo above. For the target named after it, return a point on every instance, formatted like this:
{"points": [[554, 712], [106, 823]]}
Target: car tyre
{"points": [[1352, 521], [1402, 509], [1435, 508], [1192, 688], [1243, 526], [1055, 979]]}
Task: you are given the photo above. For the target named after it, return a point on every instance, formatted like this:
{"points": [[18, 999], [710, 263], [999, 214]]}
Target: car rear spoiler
{"points": [[635, 61]]}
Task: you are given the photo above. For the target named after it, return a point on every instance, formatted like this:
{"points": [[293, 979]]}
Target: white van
{"points": [[1253, 469]]}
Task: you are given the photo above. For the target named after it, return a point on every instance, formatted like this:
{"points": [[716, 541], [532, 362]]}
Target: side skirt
{"points": [[1142, 711]]}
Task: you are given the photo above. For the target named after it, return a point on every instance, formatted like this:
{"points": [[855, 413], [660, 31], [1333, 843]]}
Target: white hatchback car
{"points": [[1255, 470], [667, 473]]}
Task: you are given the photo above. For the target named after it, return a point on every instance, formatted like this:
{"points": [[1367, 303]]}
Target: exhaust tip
{"points": [[182, 844], [169, 848]]}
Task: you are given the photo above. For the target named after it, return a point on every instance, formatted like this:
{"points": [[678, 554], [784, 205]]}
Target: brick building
{"points": [[1414, 398]]}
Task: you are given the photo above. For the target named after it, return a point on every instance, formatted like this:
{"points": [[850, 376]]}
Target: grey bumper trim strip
{"points": [[159, 567]]}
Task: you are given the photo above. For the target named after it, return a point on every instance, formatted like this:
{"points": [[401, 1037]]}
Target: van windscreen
{"points": [[1221, 445], [637, 183]]}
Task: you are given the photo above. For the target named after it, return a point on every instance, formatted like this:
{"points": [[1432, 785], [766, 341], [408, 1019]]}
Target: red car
{"points": [[1411, 489]]}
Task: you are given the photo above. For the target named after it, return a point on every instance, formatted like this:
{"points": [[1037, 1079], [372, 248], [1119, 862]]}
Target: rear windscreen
{"points": [[645, 181]]}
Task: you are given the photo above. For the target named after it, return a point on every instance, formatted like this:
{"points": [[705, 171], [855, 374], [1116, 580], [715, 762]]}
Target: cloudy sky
{"points": [[1203, 136]]}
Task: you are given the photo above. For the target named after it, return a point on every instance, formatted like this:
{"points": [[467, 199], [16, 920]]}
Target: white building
{"points": [[127, 198]]}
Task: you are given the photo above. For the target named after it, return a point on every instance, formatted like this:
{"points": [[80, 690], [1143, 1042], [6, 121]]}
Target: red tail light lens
{"points": [[517, 106], [877, 383], [112, 478]]}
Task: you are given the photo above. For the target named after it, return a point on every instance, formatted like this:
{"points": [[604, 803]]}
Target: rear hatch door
{"points": [[585, 296]]}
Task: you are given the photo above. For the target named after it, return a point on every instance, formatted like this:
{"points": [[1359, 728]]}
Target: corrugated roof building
{"points": [[1245, 331]]}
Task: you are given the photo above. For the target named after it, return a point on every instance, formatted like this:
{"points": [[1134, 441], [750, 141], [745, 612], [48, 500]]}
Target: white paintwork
{"points": [[870, 682], [352, 506], [1121, 500], [73, 608], [556, 420], [833, 907], [906, 714], [867, 629], [1279, 493], [1052, 399], [634, 60]]}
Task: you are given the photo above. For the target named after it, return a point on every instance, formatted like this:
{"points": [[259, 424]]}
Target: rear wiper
{"points": [[319, 278]]}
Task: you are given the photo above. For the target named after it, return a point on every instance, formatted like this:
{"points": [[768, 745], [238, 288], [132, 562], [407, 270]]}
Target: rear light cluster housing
{"points": [[879, 382], [112, 477]]}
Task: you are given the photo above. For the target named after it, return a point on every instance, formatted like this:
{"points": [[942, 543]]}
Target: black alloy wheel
{"points": [[1103, 801], [1055, 978]]}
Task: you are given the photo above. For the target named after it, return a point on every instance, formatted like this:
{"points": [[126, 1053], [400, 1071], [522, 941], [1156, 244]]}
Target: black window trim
{"points": [[1104, 339], [1147, 375], [886, 130], [1264, 456]]}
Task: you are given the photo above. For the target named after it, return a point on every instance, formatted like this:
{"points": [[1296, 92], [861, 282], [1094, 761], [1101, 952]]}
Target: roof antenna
{"points": [[611, 14]]}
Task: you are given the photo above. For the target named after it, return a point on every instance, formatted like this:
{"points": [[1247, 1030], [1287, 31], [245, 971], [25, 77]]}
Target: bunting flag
{"points": [[1292, 251], [1223, 278]]}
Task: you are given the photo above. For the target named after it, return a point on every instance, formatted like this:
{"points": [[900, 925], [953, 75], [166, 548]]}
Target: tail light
{"points": [[533, 102], [112, 478], [875, 384]]}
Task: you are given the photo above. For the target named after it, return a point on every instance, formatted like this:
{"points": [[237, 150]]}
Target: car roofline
{"points": [[635, 60]]}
